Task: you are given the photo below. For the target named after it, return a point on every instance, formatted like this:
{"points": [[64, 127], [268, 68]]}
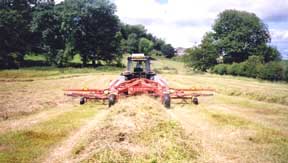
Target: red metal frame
{"points": [[138, 86]]}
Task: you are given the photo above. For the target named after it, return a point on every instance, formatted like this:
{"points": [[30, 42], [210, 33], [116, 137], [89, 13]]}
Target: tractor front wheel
{"points": [[111, 100], [166, 100]]}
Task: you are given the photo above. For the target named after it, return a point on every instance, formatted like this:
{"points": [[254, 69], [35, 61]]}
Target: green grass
{"points": [[163, 65], [76, 59], [225, 119], [29, 144], [52, 71], [34, 57]]}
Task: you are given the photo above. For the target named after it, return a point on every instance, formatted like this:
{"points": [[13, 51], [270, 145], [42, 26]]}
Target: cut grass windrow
{"points": [[138, 129], [30, 144]]}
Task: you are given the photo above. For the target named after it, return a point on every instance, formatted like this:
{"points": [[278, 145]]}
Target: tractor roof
{"points": [[138, 57]]}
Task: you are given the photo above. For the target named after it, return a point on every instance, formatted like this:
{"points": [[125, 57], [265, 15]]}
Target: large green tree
{"points": [[240, 34], [47, 24], [15, 35], [236, 36], [95, 25], [17, 39]]}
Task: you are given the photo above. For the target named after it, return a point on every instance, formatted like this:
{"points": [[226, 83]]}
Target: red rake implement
{"points": [[139, 82]]}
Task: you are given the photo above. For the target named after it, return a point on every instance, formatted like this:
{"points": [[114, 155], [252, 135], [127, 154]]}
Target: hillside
{"points": [[245, 121]]}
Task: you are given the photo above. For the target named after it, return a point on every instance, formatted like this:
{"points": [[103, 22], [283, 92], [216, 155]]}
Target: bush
{"points": [[272, 71], [234, 69], [156, 53], [220, 69], [254, 68], [251, 64]]}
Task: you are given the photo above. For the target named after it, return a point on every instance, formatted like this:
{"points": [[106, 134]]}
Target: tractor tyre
{"points": [[167, 101], [111, 100], [195, 101], [82, 100]]}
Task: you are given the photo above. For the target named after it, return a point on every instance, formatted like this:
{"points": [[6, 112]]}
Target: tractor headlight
{"points": [[106, 92], [84, 88], [171, 91]]}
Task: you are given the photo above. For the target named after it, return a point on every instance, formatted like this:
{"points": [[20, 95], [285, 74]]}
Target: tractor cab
{"points": [[138, 66]]}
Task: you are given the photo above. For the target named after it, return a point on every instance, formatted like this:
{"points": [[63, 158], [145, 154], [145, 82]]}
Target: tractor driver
{"points": [[138, 68]]}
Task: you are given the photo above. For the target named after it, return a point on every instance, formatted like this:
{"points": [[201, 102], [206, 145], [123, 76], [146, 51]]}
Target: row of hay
{"points": [[137, 129]]}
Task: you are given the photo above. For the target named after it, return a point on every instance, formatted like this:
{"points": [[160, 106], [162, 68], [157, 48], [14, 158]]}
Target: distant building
{"points": [[180, 51]]}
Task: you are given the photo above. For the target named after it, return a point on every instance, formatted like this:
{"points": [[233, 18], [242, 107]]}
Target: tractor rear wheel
{"points": [[82, 100], [166, 101], [111, 100]]}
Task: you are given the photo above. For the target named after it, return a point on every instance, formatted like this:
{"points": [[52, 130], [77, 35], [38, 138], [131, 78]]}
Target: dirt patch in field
{"points": [[3, 147]]}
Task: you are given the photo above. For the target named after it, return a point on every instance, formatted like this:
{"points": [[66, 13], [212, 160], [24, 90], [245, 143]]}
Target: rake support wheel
{"points": [[82, 100], [111, 100], [195, 100], [167, 101]]}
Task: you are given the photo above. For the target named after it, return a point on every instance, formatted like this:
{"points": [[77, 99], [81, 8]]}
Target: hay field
{"points": [[246, 120]]}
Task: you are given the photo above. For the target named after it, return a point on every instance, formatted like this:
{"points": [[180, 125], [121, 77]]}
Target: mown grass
{"points": [[163, 66], [275, 140], [52, 71], [29, 144], [226, 119], [169, 148], [248, 88], [165, 142]]}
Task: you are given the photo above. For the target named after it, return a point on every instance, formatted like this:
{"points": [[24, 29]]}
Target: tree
{"points": [[205, 56], [133, 34], [168, 50], [16, 37], [47, 23], [95, 26], [145, 46], [269, 53], [132, 43], [158, 43], [138, 30], [240, 34]]}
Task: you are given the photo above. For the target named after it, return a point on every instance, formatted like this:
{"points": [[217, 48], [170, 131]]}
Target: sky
{"points": [[183, 23]]}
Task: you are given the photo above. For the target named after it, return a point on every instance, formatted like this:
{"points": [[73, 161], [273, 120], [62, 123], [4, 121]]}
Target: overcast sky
{"points": [[183, 22]]}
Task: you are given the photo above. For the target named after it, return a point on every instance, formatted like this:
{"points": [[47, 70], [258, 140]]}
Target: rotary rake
{"points": [[139, 82]]}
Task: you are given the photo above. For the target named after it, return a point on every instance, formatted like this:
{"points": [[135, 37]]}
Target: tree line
{"points": [[238, 45], [89, 28]]}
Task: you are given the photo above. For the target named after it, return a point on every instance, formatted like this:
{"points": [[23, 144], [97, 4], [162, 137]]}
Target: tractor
{"points": [[139, 79]]}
